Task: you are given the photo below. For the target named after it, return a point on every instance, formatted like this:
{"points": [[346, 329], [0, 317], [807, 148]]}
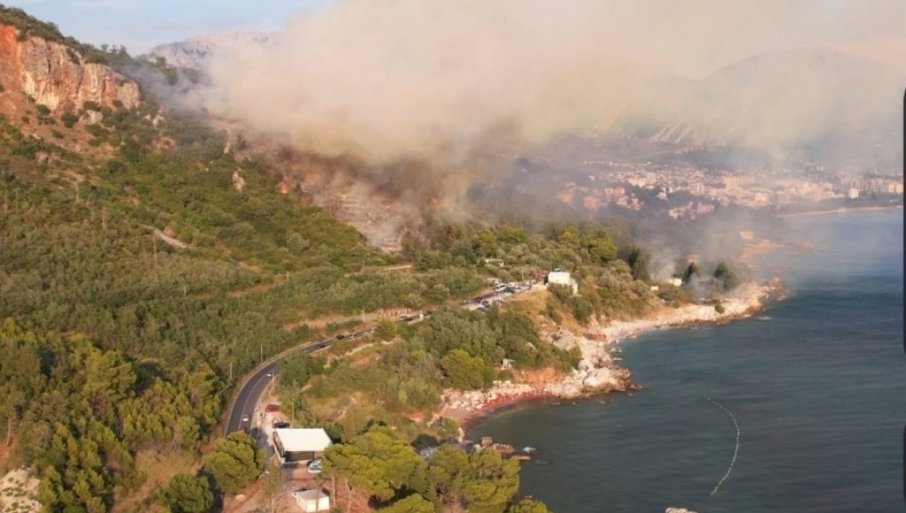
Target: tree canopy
{"points": [[188, 494], [234, 462], [395, 477]]}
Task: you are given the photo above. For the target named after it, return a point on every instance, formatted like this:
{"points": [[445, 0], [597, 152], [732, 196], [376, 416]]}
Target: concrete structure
{"points": [[562, 278], [300, 445], [312, 501]]}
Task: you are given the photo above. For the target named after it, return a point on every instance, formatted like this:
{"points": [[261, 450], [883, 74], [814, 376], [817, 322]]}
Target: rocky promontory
{"points": [[596, 371]]}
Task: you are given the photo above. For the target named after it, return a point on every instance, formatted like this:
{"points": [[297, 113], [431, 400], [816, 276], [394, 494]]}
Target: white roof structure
{"points": [[303, 439], [559, 277], [312, 501]]}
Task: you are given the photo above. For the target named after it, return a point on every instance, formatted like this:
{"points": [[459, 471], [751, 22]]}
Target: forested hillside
{"points": [[144, 270], [150, 256]]}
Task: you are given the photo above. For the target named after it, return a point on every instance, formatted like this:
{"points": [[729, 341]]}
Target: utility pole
{"points": [[293, 405]]}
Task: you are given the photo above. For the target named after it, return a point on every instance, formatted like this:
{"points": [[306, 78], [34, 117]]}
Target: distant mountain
{"points": [[808, 104], [192, 53]]}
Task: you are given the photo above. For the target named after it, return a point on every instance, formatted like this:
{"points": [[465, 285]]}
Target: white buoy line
{"points": [[735, 451]]}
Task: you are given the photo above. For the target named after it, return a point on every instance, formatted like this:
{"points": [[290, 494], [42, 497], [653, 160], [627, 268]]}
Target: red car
{"points": [[271, 408]]}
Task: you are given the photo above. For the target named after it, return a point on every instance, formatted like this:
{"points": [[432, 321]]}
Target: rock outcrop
{"points": [[595, 372], [58, 76]]}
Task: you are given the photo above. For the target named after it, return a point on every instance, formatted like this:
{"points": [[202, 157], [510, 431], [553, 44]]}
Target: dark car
{"points": [[281, 425]]}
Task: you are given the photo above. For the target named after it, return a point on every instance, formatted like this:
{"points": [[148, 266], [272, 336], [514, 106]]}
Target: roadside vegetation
{"points": [[403, 378]]}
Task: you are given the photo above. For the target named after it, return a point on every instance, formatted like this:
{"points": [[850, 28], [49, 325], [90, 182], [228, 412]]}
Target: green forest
{"points": [[85, 275]]}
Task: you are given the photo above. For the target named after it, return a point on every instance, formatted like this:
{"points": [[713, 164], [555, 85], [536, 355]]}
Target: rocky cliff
{"points": [[58, 76]]}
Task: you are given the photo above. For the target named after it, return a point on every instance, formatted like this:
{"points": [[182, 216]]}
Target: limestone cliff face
{"points": [[58, 76]]}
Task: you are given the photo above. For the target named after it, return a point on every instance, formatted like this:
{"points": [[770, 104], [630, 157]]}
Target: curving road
{"points": [[250, 391]]}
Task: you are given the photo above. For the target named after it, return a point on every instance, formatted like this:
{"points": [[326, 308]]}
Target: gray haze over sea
{"points": [[817, 383]]}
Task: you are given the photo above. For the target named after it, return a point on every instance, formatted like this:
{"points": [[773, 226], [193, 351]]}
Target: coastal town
{"points": [[688, 192]]}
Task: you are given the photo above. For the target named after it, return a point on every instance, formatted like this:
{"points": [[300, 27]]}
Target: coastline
{"points": [[841, 210], [597, 373]]}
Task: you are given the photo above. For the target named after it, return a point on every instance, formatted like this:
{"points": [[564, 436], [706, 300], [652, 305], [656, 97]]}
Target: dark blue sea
{"points": [[817, 383]]}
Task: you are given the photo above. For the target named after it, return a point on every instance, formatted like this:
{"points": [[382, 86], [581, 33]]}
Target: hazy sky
{"points": [[762, 25], [141, 24]]}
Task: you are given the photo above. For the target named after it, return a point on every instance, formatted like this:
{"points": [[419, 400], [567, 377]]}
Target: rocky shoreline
{"points": [[597, 372]]}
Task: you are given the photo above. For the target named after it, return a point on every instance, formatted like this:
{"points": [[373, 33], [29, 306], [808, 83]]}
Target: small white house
{"points": [[676, 282], [562, 278], [312, 501]]}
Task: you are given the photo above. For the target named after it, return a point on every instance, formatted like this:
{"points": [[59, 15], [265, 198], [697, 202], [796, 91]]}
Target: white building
{"points": [[300, 445], [562, 278], [312, 501]]}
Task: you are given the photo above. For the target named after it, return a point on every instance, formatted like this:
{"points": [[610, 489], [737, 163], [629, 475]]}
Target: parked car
{"points": [[314, 467], [281, 425], [271, 408]]}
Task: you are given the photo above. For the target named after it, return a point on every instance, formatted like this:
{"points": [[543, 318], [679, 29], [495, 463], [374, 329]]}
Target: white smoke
{"points": [[430, 79]]}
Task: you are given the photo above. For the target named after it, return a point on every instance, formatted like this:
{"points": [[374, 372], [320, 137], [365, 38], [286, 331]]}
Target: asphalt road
{"points": [[243, 405], [249, 395]]}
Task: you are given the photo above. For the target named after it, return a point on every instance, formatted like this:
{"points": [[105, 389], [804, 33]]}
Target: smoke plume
{"points": [[432, 79]]}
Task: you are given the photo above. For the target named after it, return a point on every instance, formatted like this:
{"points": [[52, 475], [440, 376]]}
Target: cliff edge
{"points": [[58, 76]]}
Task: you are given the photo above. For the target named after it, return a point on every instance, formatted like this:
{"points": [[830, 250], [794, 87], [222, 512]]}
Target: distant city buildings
{"points": [[688, 192]]}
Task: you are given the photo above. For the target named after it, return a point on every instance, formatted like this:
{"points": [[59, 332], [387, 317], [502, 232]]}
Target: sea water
{"points": [[817, 383]]}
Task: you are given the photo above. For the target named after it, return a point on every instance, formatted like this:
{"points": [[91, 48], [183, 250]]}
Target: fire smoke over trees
{"points": [[430, 103], [433, 79]]}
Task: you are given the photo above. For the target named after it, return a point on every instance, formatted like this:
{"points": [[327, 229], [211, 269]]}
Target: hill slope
{"points": [[143, 271]]}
